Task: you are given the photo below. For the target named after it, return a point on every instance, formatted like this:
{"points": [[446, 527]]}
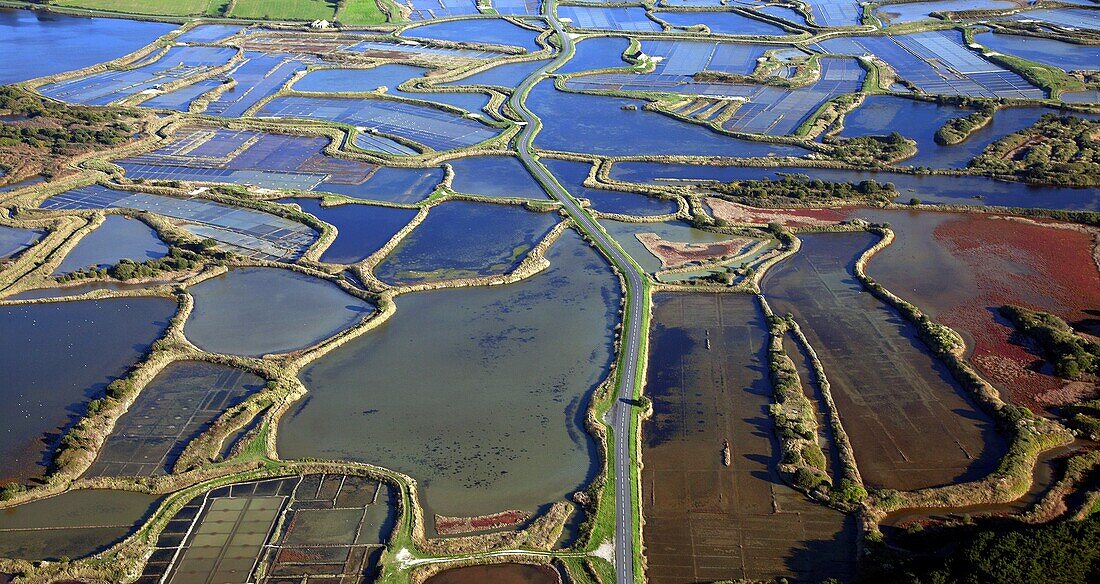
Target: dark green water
{"points": [[73, 524]]}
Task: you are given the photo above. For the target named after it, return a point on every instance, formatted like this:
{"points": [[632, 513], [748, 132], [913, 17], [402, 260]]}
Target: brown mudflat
{"points": [[911, 426], [704, 520]]}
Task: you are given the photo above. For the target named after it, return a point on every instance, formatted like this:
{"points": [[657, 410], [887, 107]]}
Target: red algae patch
{"points": [[1042, 266], [738, 213], [455, 525], [996, 260], [676, 254]]}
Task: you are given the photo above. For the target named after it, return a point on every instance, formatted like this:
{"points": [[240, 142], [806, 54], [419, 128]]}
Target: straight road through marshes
{"points": [[621, 414]]}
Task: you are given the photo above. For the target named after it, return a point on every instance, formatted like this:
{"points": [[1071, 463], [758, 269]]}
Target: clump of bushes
{"points": [[873, 150], [1072, 355], [1067, 552], [958, 129], [793, 415], [1085, 418], [848, 492], [11, 490], [177, 260], [68, 125], [1063, 151], [797, 188]]}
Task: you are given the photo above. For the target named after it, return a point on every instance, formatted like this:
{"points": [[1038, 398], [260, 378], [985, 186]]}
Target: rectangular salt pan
{"points": [[250, 233]]}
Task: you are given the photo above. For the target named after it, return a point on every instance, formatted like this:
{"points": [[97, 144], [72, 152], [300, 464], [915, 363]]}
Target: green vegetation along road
{"points": [[622, 413]]}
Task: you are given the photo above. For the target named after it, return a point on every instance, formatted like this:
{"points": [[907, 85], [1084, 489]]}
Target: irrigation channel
{"points": [[622, 412]]}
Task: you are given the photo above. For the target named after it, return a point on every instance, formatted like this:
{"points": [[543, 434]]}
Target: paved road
{"points": [[621, 412]]}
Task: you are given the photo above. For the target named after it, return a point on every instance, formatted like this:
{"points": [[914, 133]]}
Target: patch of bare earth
{"points": [[738, 213], [675, 254]]}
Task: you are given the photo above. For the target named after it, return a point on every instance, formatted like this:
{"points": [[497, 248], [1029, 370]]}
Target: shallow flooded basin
{"points": [[910, 424], [58, 356], [256, 311], [415, 393], [706, 520]]}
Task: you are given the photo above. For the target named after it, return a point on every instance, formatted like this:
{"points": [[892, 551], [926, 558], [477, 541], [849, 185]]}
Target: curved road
{"points": [[631, 337]]}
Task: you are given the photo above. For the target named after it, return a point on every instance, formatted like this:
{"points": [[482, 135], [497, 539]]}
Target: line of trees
{"points": [[800, 188]]}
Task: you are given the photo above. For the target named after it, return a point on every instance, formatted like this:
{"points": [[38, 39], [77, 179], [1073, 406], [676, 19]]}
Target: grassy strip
{"points": [[854, 490], [803, 461], [1051, 79], [803, 464], [150, 7]]}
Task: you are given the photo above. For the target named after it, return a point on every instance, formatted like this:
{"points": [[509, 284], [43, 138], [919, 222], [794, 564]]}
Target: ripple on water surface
{"points": [[55, 357], [257, 311], [36, 43], [478, 393], [460, 239]]}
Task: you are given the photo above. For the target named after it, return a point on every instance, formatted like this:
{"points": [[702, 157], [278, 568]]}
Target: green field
{"points": [[284, 9], [156, 7], [360, 12]]}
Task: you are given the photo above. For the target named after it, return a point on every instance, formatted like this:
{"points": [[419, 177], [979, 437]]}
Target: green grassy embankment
{"points": [[150, 7], [284, 9]]}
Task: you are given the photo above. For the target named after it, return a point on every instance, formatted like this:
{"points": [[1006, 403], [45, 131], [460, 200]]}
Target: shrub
{"points": [[119, 389], [848, 492], [95, 406], [958, 129], [1063, 553], [813, 456], [10, 490], [177, 260], [799, 188], [805, 478], [1056, 150]]}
